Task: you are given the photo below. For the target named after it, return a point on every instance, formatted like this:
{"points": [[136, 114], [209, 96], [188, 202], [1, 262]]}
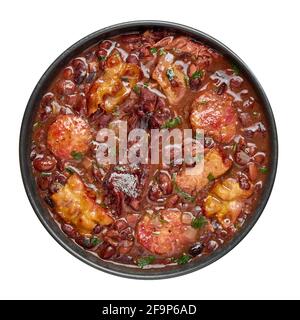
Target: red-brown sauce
{"points": [[150, 215]]}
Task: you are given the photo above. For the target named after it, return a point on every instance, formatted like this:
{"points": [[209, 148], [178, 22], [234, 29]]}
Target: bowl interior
{"points": [[30, 185]]}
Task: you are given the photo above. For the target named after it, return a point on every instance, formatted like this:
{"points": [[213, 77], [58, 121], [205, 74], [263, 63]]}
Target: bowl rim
{"points": [[43, 214]]}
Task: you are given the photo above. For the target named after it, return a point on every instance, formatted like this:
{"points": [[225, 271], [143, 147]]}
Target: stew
{"points": [[142, 214]]}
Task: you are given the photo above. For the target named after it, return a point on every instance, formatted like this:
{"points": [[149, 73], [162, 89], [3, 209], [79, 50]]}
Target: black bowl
{"points": [[30, 185]]}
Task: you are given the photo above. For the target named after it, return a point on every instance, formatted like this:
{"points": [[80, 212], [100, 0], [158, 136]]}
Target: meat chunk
{"points": [[171, 78], [165, 233], [73, 204], [215, 115], [194, 179], [183, 45], [68, 134], [226, 201], [230, 190], [114, 86]]}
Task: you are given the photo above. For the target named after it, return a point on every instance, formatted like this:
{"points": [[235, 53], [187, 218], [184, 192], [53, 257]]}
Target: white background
{"points": [[265, 34]]}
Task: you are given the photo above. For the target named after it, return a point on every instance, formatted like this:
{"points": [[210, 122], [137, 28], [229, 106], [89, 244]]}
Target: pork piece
{"points": [[226, 201], [165, 233], [193, 179], [183, 45], [115, 84], [171, 78], [68, 135], [216, 115], [73, 204]]}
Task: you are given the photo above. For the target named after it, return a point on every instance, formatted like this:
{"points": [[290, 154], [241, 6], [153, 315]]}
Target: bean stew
{"points": [[150, 215]]}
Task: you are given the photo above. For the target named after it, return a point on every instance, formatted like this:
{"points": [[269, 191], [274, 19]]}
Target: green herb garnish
{"points": [[197, 74], [76, 155], [95, 241], [162, 52], [125, 79], [263, 169], [235, 69], [211, 177], [70, 170], [153, 50], [185, 258], [146, 84], [144, 261], [172, 123], [170, 74], [203, 101], [102, 58], [186, 196], [46, 174], [198, 223], [136, 89]]}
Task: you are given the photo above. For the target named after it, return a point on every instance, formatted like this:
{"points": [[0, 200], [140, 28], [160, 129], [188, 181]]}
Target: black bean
{"points": [[195, 84], [49, 202], [221, 88], [196, 249]]}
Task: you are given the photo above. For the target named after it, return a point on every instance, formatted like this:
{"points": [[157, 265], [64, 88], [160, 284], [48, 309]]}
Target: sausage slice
{"points": [[165, 233], [68, 134]]}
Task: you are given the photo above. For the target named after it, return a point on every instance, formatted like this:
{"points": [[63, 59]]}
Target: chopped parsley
{"points": [[162, 52], [136, 89], [198, 223], [95, 241], [263, 169], [186, 196], [125, 79], [46, 174], [197, 74], [183, 259], [70, 170], [211, 177], [171, 123], [146, 84], [170, 74], [235, 69], [153, 50], [102, 58], [76, 155], [144, 261]]}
